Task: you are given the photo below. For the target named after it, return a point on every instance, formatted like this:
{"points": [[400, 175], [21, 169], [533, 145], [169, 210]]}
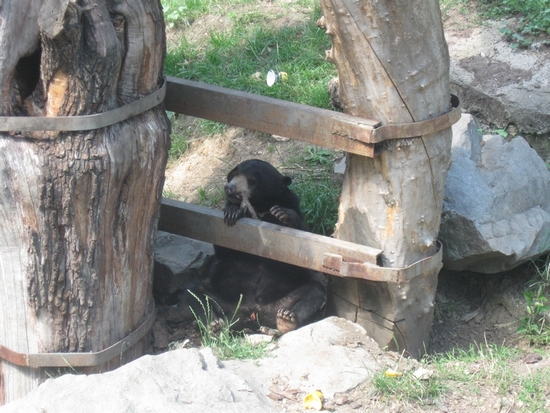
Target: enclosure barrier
{"points": [[317, 126]]}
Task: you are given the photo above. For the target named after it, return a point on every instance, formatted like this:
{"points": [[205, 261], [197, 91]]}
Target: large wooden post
{"points": [[393, 66], [78, 210]]}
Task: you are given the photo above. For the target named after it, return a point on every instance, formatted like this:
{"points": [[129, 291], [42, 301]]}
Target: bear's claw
{"points": [[286, 321]]}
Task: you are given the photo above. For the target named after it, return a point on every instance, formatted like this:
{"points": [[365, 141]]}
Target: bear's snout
{"points": [[229, 189]]}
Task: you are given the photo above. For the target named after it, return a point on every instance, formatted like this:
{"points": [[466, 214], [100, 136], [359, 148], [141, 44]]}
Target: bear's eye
{"points": [[251, 181]]}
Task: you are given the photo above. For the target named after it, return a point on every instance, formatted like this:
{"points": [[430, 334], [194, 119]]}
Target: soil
{"points": [[470, 308]]}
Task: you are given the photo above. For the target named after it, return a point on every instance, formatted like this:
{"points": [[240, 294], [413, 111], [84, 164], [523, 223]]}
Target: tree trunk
{"points": [[79, 209], [393, 66]]}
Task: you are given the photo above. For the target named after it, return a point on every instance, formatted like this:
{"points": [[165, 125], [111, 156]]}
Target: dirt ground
{"points": [[470, 308]]}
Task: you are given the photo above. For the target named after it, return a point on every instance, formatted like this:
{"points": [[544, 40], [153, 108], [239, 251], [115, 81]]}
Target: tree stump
{"points": [[79, 209], [393, 66]]}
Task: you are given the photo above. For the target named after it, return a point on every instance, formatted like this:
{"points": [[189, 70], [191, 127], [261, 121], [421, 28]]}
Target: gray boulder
{"points": [[496, 213], [333, 355], [186, 380], [179, 261]]}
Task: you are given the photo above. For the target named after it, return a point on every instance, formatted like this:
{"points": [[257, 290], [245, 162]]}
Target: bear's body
{"points": [[274, 294]]}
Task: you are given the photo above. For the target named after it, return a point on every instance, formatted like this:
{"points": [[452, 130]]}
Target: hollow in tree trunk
{"points": [[78, 210]]}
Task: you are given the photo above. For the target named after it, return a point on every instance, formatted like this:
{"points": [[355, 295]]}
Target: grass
{"points": [[484, 366], [408, 388], [212, 196], [225, 343], [239, 57], [319, 192], [535, 324], [178, 13], [531, 17]]}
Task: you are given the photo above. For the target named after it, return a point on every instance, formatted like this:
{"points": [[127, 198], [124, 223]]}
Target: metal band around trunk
{"points": [[421, 128], [79, 359], [81, 123]]}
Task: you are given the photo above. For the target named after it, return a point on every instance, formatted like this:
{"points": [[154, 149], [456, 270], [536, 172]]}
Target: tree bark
{"points": [[393, 66], [79, 210]]}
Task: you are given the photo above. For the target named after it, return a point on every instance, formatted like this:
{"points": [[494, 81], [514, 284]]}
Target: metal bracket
{"points": [[337, 265], [87, 122], [79, 359], [422, 128]]}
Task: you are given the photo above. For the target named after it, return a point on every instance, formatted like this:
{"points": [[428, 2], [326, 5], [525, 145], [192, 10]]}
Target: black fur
{"points": [[275, 295]]}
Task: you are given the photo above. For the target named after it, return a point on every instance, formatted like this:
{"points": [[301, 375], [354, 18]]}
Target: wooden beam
{"points": [[271, 241], [320, 127]]}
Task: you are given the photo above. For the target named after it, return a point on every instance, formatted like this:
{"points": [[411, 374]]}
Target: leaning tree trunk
{"points": [[78, 209], [393, 66]]}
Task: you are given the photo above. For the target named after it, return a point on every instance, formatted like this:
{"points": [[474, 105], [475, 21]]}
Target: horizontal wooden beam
{"points": [[284, 244], [304, 249], [317, 126]]}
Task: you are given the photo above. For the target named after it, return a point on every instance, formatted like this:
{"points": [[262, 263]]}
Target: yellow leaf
{"points": [[392, 373], [314, 400]]}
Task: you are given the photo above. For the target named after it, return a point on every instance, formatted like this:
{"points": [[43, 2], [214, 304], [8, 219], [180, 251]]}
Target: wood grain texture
{"points": [[79, 210], [393, 65]]}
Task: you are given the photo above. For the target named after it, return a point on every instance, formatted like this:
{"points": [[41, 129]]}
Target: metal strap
{"points": [[337, 265], [79, 359], [422, 128], [80, 123]]}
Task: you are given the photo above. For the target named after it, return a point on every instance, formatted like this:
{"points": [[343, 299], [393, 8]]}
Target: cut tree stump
{"points": [[79, 210], [393, 66]]}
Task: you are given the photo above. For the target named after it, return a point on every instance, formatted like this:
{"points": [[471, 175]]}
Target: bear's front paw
{"points": [[282, 215], [232, 213], [286, 321]]}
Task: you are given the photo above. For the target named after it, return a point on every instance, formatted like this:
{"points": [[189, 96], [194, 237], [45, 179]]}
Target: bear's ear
{"points": [[287, 180], [231, 174]]}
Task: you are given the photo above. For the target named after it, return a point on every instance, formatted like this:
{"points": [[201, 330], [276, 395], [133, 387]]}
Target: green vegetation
{"points": [[482, 366], [531, 17], [535, 324], [225, 343], [239, 57], [408, 387], [319, 192], [183, 12], [212, 196]]}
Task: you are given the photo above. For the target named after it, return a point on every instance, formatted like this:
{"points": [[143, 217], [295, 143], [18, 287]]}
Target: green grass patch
{"points": [[211, 196], [533, 391], [241, 57], [535, 324], [179, 13], [317, 189], [408, 388], [531, 17], [226, 344], [483, 366]]}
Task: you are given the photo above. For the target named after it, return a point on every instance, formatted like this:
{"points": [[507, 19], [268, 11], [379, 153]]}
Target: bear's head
{"points": [[261, 183]]}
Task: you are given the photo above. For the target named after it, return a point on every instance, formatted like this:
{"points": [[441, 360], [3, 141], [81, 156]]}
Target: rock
{"points": [[497, 84], [333, 355], [186, 380], [496, 213], [178, 262]]}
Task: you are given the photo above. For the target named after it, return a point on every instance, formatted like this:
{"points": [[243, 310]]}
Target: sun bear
{"points": [[275, 295]]}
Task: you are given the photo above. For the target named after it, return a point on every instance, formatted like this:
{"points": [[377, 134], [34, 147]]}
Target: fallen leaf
{"points": [[314, 400]]}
